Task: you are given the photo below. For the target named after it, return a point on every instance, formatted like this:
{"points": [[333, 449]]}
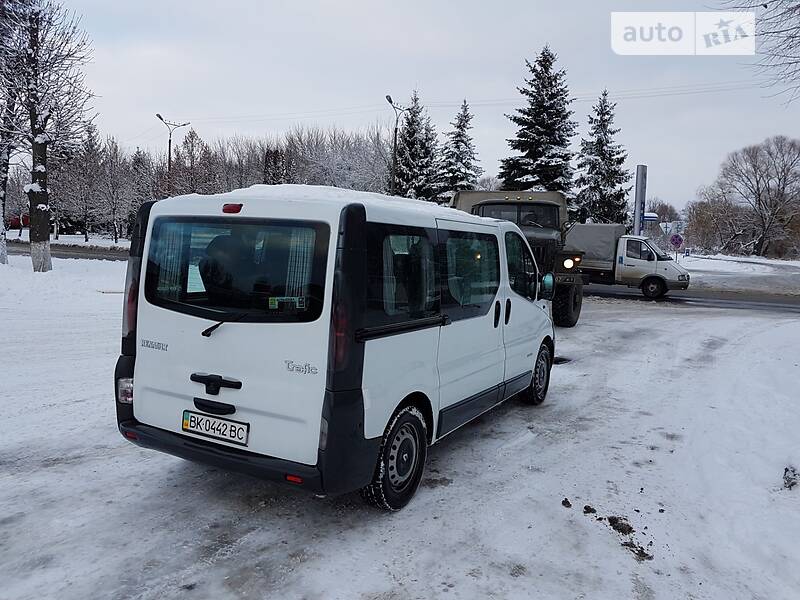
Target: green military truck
{"points": [[542, 216]]}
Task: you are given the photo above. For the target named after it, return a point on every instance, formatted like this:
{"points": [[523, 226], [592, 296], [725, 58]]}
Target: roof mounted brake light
{"points": [[231, 208]]}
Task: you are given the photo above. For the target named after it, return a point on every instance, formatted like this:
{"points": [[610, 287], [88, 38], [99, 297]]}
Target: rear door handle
{"points": [[508, 309], [213, 382], [214, 407], [497, 313]]}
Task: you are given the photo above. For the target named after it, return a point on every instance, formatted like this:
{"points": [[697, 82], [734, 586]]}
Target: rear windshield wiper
{"points": [[229, 318]]}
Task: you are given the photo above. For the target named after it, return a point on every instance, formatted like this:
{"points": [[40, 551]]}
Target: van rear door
{"points": [[265, 281]]}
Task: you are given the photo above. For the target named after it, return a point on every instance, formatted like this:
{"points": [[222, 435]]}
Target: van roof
{"points": [[378, 206]]}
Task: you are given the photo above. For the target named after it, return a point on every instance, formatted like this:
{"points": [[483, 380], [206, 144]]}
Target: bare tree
{"points": [[715, 222], [10, 113], [765, 178], [778, 37], [114, 184], [48, 81], [489, 183], [666, 212]]}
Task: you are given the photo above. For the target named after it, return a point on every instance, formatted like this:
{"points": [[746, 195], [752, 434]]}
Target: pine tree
{"points": [[544, 131], [460, 162], [418, 167], [602, 193]]}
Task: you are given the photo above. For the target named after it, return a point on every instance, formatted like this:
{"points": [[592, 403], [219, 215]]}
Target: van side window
{"points": [[401, 274], [470, 273], [521, 266]]}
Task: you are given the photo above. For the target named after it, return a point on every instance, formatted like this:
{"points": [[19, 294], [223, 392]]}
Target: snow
{"points": [[667, 408], [40, 169], [73, 240], [315, 195], [740, 274], [31, 187], [761, 260]]}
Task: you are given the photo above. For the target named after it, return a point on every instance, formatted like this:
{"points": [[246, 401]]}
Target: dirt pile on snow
{"points": [[790, 477]]}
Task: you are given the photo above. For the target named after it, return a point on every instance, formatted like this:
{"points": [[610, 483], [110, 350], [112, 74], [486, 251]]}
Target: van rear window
{"points": [[238, 269]]}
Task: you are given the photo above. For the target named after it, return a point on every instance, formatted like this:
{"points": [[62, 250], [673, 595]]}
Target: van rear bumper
{"points": [[263, 467], [347, 462]]}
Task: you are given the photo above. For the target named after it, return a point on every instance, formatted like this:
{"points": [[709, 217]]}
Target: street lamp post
{"points": [[398, 110], [171, 127]]}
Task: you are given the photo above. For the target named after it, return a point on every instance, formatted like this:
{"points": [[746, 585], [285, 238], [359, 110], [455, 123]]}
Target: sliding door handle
{"points": [[497, 313], [508, 309]]}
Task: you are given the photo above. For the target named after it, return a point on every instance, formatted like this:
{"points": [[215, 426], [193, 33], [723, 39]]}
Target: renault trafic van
{"points": [[324, 337]]}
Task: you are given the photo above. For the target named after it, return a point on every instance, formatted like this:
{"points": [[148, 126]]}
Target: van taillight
{"points": [[131, 296], [340, 338]]}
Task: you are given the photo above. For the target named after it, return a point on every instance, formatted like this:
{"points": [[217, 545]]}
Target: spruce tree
{"points": [[460, 168], [602, 193], [418, 167], [544, 131]]}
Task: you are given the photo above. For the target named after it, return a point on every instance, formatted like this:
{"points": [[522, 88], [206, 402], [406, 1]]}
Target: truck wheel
{"points": [[567, 305], [653, 288], [536, 392], [401, 461]]}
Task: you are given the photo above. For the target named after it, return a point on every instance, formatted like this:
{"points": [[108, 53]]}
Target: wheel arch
{"points": [[551, 345], [420, 401], [658, 276]]}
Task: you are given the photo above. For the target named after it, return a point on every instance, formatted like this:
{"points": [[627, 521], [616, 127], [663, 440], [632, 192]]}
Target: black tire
{"points": [[401, 461], [536, 392], [567, 305], [653, 288]]}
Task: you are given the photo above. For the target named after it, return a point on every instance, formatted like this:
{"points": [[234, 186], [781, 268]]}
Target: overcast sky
{"points": [[257, 67]]}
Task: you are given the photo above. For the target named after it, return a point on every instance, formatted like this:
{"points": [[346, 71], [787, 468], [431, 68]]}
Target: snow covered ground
{"points": [[679, 420], [73, 240], [737, 274], [776, 262]]}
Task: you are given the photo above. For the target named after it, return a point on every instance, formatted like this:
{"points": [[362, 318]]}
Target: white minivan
{"points": [[324, 337]]}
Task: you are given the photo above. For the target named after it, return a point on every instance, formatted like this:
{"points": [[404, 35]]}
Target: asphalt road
{"points": [[704, 297], [62, 251]]}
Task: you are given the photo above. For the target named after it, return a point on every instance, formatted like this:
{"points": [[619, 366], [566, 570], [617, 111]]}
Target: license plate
{"points": [[215, 428]]}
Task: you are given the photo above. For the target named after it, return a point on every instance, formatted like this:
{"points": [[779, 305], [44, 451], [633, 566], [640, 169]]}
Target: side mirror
{"points": [[547, 287], [650, 257]]}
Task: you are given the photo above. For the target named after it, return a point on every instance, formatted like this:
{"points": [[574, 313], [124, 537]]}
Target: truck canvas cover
{"points": [[598, 241]]}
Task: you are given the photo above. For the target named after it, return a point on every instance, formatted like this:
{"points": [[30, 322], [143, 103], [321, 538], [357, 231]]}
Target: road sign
{"points": [[676, 240]]}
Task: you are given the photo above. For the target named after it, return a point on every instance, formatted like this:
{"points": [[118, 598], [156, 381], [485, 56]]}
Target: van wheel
{"points": [[653, 288], [567, 304], [536, 392], [401, 461]]}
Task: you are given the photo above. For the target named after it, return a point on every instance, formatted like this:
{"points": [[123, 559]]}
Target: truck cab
{"points": [[641, 263], [543, 219]]}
